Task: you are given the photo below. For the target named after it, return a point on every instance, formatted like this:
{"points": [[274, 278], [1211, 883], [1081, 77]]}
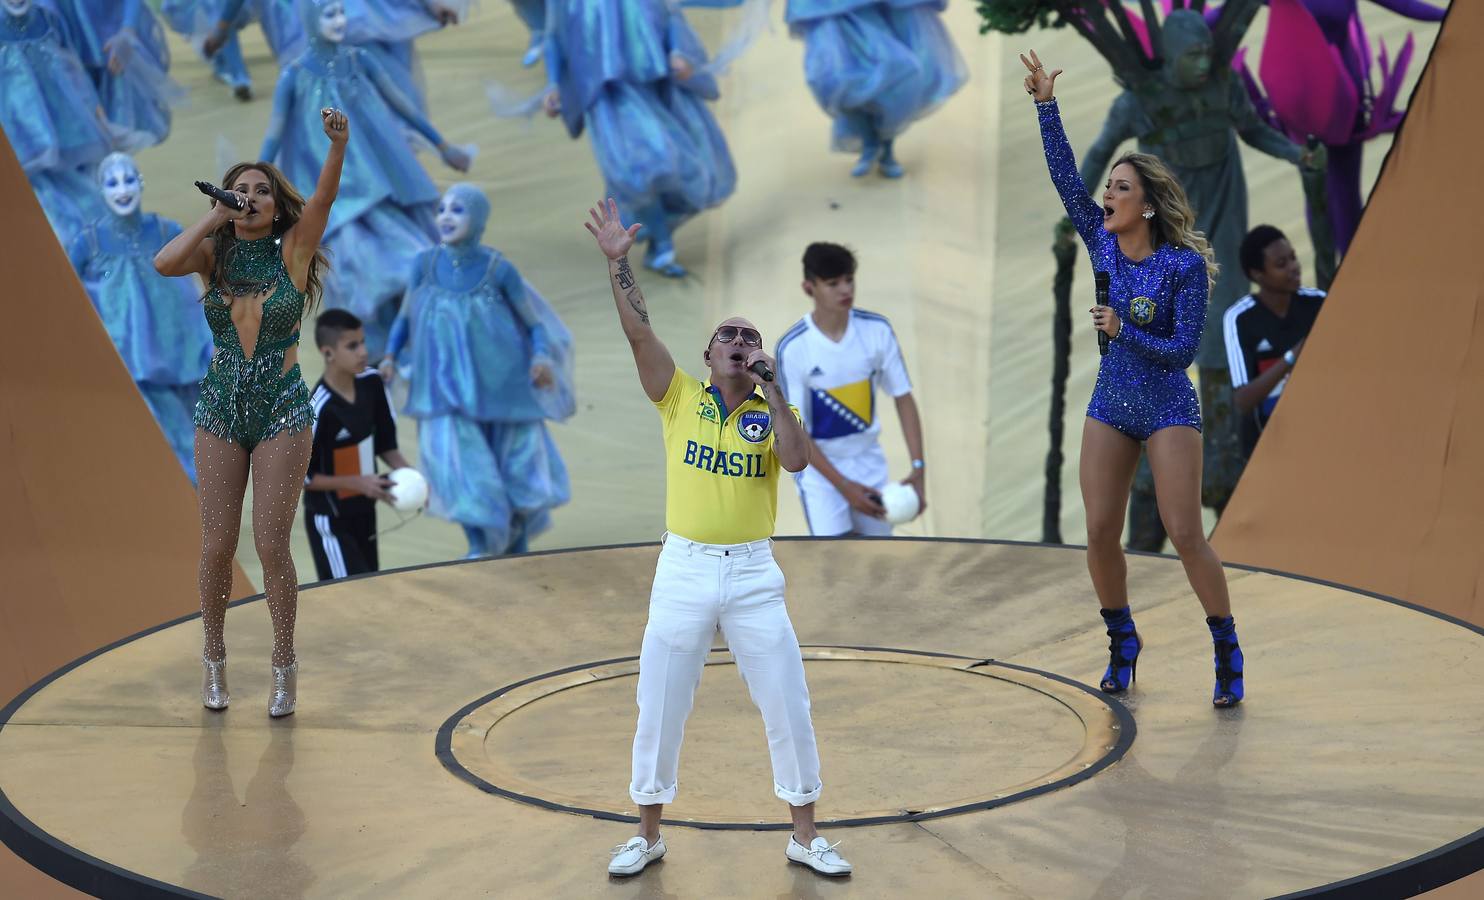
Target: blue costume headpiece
{"points": [[478, 205], [309, 11], [116, 159]]}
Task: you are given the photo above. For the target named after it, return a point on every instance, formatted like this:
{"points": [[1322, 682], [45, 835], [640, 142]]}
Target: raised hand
{"points": [[337, 126], [606, 228], [444, 14], [1037, 83], [455, 157]]}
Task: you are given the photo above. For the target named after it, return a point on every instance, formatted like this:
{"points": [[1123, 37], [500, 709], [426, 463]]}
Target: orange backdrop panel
{"points": [[1372, 471], [98, 530]]}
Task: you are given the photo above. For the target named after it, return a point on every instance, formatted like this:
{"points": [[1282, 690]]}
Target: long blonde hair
{"points": [[1174, 219], [290, 206]]}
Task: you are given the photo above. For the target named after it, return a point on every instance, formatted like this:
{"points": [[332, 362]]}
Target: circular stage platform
{"points": [[464, 730]]}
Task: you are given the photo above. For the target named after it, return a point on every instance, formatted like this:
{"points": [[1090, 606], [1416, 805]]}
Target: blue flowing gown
{"points": [[383, 215], [137, 99], [154, 321], [876, 66], [474, 328], [48, 112], [660, 150]]}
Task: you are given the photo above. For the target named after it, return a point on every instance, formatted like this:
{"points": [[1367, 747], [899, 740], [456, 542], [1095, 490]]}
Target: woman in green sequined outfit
{"points": [[263, 266]]}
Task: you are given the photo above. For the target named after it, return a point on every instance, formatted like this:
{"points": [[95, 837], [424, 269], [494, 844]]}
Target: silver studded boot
{"points": [[214, 684], [285, 690]]}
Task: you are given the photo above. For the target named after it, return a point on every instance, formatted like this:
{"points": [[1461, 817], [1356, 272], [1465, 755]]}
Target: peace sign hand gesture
{"points": [[1037, 83], [606, 228]]}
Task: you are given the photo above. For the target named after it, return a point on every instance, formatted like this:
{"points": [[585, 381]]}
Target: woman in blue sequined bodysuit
{"points": [[262, 264], [1159, 270]]}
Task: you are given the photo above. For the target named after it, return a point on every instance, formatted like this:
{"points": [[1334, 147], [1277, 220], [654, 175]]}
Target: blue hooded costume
{"points": [[49, 111], [136, 99], [472, 329], [154, 321], [383, 214], [661, 153], [875, 66]]}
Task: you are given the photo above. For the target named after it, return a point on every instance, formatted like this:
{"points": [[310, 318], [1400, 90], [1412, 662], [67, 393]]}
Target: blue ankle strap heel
{"points": [[1228, 691], [1124, 645]]}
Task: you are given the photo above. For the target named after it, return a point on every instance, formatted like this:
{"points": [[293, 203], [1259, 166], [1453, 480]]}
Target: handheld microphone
{"points": [[761, 370], [226, 198], [1100, 283]]}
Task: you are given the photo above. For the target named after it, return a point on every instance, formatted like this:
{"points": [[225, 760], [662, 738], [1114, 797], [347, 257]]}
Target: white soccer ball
{"points": [[900, 501], [409, 489]]}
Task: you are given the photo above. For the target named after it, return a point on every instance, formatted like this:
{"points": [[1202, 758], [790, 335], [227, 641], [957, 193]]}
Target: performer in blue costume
{"points": [[198, 22], [51, 115], [489, 362], [876, 66], [385, 28], [123, 47], [155, 322], [384, 214], [631, 72], [1160, 272]]}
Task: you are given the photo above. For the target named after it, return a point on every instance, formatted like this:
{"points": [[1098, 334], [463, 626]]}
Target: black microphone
{"points": [[761, 370], [226, 198], [1100, 282]]}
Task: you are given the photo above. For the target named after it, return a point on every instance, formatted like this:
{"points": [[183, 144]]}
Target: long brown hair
{"points": [[1174, 219], [289, 206]]}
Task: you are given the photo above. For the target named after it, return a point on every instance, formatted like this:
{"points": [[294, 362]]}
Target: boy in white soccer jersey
{"points": [[831, 363]]}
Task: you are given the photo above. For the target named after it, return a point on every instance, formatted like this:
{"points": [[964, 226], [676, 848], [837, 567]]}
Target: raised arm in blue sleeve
{"points": [[1192, 291], [1084, 213], [397, 100]]}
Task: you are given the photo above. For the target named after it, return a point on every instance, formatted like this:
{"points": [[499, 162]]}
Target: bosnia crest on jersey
{"points": [[754, 426]]}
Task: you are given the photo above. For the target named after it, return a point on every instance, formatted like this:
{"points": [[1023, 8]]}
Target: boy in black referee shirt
{"points": [[354, 424]]}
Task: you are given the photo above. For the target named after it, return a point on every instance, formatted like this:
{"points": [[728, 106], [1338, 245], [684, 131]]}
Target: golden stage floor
{"points": [[454, 718]]}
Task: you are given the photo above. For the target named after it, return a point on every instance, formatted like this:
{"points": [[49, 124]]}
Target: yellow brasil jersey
{"points": [[721, 477]]}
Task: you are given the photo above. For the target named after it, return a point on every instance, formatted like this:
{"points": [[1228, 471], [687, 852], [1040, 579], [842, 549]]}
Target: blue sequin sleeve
{"points": [[1192, 289], [1086, 215]]}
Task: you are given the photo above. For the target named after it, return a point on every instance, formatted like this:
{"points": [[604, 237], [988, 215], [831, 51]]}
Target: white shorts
{"points": [[825, 508]]}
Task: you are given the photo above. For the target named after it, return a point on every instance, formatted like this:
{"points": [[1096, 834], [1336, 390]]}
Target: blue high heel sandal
{"points": [[1228, 657], [1124, 645]]}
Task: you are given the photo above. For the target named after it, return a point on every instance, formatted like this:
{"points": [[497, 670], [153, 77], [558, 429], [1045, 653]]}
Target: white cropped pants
{"points": [[699, 588]]}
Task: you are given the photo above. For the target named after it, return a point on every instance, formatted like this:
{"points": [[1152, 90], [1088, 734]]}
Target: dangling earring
{"points": [[1148, 213]]}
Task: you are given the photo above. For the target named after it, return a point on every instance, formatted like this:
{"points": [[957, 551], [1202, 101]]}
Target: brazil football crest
{"points": [[754, 426], [1141, 310]]}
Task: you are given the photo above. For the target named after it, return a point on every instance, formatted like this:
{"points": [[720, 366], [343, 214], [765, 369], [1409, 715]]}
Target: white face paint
{"points": [[453, 219], [121, 186], [16, 8], [332, 22]]}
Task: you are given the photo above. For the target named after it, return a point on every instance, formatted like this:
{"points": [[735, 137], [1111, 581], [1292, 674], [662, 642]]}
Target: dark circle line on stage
{"points": [[1121, 725], [80, 869]]}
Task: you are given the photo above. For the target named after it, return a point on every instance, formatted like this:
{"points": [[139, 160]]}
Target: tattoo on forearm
{"points": [[624, 278], [625, 275], [636, 300]]}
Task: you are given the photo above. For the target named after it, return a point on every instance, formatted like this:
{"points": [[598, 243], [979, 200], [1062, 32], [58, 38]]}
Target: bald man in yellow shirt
{"points": [[726, 440]]}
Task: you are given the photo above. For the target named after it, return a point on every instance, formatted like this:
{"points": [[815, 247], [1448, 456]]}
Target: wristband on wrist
{"points": [[918, 464]]}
